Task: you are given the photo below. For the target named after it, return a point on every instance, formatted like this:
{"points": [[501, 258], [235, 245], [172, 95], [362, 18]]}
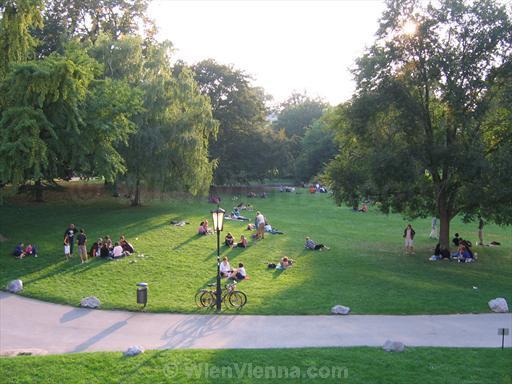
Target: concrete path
{"points": [[27, 324]]}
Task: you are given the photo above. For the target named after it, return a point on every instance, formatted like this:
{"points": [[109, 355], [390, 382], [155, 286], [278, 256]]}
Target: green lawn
{"points": [[323, 365], [365, 269]]}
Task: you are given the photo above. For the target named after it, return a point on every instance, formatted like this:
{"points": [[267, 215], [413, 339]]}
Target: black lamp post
{"points": [[218, 222]]}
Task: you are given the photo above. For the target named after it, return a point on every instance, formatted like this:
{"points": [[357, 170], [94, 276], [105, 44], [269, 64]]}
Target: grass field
{"points": [[323, 365], [365, 269]]}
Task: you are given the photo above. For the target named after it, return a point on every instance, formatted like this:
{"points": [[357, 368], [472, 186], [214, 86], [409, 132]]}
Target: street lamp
{"points": [[218, 222]]}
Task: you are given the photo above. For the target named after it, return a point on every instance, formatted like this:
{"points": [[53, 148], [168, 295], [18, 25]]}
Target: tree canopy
{"points": [[424, 133]]}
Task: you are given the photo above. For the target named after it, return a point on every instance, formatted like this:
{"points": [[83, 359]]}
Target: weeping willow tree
{"points": [[18, 17]]}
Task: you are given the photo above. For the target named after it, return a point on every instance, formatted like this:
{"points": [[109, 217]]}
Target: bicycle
{"points": [[207, 298]]}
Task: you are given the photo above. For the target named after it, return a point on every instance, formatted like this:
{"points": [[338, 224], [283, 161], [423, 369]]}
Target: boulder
{"points": [[90, 302], [134, 350], [393, 346], [15, 286], [340, 310], [498, 305]]}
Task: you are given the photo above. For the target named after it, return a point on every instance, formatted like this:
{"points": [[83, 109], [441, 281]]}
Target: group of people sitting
{"points": [[230, 241], [227, 272], [204, 229], [464, 254], [105, 248], [317, 188], [235, 215], [20, 251]]}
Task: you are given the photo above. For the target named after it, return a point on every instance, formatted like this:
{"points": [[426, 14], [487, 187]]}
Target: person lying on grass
{"points": [[284, 263], [310, 244], [225, 268]]}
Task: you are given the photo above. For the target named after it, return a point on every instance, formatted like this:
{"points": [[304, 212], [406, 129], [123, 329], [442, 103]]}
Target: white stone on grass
{"points": [[134, 350], [393, 346], [15, 286], [340, 310], [90, 302], [498, 305]]}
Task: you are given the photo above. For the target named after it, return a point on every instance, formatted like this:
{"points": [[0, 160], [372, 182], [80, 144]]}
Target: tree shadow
{"points": [[106, 332], [74, 314], [192, 238]]}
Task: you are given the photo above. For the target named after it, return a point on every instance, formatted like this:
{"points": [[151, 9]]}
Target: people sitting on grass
{"points": [[235, 215], [104, 250], [127, 247], [118, 252], [229, 240], [203, 228], [312, 189], [310, 244], [242, 243], [239, 273], [19, 251], [225, 268], [364, 208], [30, 250], [440, 253], [464, 254], [285, 263], [456, 240], [95, 248]]}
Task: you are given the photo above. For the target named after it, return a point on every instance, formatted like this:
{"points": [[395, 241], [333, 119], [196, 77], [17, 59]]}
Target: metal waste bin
{"points": [[142, 293]]}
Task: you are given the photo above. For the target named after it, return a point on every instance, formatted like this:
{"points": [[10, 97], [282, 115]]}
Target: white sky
{"points": [[285, 45]]}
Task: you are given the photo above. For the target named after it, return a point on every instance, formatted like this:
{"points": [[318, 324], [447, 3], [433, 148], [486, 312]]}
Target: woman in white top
{"points": [[225, 268], [117, 251]]}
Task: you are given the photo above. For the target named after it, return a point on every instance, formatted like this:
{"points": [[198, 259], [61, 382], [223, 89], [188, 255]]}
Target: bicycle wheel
{"points": [[197, 298], [237, 299], [207, 299]]}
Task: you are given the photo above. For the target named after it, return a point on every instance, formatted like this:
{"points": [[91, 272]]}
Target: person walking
{"points": [[82, 245], [409, 238], [433, 231]]}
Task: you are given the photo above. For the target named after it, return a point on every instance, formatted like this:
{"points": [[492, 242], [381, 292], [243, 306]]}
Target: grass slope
{"points": [[365, 269], [324, 365]]}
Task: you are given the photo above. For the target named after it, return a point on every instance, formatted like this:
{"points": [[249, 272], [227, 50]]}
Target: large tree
{"points": [[418, 133], [239, 107], [17, 19]]}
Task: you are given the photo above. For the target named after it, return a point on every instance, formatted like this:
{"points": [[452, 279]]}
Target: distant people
{"points": [[118, 252], [95, 248], [260, 225], [82, 245], [67, 249], [409, 238], [364, 208], [240, 273], [456, 240], [203, 228], [70, 232], [433, 229], [224, 268], [322, 189], [19, 251], [310, 244], [242, 243], [312, 189], [104, 251], [229, 240], [285, 263], [30, 250], [127, 247]]}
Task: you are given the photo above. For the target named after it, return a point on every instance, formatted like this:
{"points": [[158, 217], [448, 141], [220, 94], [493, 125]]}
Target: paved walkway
{"points": [[27, 324]]}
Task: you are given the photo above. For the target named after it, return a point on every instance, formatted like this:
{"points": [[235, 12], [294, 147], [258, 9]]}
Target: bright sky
{"points": [[285, 46]]}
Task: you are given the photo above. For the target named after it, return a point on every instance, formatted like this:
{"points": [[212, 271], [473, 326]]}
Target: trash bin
{"points": [[142, 293]]}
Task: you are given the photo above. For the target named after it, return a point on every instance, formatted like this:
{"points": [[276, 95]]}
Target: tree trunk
{"points": [[39, 191], [136, 198]]}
